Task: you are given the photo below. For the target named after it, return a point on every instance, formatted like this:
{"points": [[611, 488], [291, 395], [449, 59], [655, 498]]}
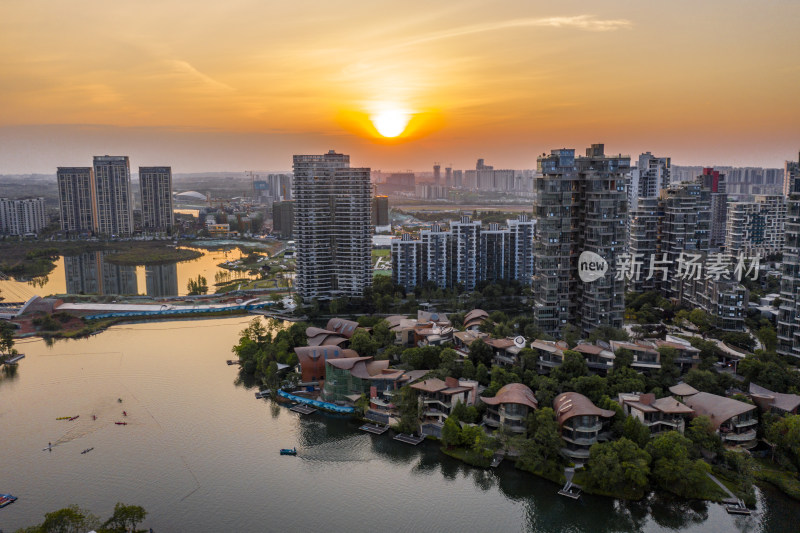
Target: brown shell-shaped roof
{"points": [[571, 404], [323, 337], [514, 393], [346, 363], [683, 389], [342, 327], [717, 408]]}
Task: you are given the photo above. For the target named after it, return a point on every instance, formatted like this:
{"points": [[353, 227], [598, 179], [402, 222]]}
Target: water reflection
{"points": [[89, 273], [162, 280]]}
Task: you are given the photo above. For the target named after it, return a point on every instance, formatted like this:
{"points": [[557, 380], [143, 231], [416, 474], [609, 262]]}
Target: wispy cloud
{"points": [[184, 67], [580, 22]]}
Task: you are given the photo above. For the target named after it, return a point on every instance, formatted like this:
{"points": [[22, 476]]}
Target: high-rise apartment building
{"points": [[495, 253], [75, 197], [791, 169], [522, 233], [580, 205], [650, 176], [466, 235], [406, 264], [436, 256], [644, 243], [283, 219], [155, 184], [789, 311], [112, 195], [714, 181], [22, 217], [757, 227], [685, 229], [380, 210], [333, 229]]}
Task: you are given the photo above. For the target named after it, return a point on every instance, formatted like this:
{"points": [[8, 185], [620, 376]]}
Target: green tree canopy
{"points": [[619, 467]]}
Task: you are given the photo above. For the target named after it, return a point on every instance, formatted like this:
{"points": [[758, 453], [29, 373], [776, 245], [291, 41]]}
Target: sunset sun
{"points": [[390, 123]]}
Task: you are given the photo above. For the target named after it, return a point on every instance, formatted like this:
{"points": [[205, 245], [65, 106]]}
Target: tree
{"points": [[673, 470], [637, 432], [669, 373], [607, 333], [451, 433], [573, 366], [784, 433], [768, 337], [703, 435], [571, 334], [624, 379], [619, 467], [125, 518], [623, 357], [6, 338], [409, 409], [482, 374], [197, 286], [593, 387], [363, 343], [382, 334], [70, 519], [480, 352], [541, 452], [448, 365], [705, 381]]}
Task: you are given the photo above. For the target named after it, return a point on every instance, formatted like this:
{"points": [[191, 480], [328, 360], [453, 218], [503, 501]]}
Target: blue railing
{"points": [[316, 403], [179, 311]]}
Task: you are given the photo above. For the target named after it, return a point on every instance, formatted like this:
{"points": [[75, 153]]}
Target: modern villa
{"points": [[439, 397], [734, 421], [510, 407], [664, 414], [582, 424]]}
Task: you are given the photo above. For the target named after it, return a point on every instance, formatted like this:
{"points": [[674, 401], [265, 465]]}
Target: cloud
{"points": [[184, 67]]}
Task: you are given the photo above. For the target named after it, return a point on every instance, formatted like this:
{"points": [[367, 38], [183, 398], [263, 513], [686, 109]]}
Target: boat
{"points": [[121, 423], [7, 499], [87, 450], [288, 451], [63, 418], [73, 418]]}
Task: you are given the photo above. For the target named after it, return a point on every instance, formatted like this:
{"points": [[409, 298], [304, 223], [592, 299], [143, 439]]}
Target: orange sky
{"points": [[244, 84]]}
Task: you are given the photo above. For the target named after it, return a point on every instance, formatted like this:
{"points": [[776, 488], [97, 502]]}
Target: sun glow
{"points": [[390, 123]]}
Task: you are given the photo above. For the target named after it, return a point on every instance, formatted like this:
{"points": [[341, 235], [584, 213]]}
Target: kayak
{"points": [[63, 418], [289, 451], [87, 450], [121, 423], [7, 499], [73, 418]]}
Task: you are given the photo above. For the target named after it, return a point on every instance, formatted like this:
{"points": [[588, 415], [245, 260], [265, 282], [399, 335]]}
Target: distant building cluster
{"points": [[22, 217], [466, 254], [98, 199]]}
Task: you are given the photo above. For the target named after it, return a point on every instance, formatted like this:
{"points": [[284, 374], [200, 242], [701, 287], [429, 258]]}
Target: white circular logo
{"points": [[591, 267]]}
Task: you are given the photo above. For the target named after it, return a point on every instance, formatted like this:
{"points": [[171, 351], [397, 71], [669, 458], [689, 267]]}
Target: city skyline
{"points": [[703, 84]]}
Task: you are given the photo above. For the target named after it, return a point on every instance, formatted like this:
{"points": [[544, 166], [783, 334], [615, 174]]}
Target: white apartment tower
{"points": [[333, 226], [155, 184], [22, 217], [112, 195]]}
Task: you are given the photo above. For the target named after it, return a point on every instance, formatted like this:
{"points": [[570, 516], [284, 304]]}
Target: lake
{"points": [[89, 273], [200, 453]]}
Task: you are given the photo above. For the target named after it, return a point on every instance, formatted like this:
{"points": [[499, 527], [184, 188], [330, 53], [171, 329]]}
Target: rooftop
{"points": [[513, 393], [717, 408]]}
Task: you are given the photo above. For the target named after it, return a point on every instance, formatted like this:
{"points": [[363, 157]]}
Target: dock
{"points": [[302, 409], [374, 429], [233, 362], [409, 439], [570, 490], [13, 360], [737, 508], [263, 394]]}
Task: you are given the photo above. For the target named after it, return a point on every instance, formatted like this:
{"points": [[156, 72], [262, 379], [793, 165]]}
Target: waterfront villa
{"points": [[312, 360], [774, 402], [463, 339], [734, 421], [582, 424], [510, 407], [687, 358], [347, 379], [439, 397], [337, 332], [598, 359], [664, 414], [429, 328]]}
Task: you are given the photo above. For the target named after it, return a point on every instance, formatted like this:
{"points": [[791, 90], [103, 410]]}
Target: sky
{"points": [[241, 85]]}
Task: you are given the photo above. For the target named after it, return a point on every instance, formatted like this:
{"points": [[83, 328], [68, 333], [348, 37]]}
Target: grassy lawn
{"points": [[380, 252]]}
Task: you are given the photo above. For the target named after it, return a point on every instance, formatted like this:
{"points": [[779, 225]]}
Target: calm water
{"points": [[88, 273], [200, 453]]}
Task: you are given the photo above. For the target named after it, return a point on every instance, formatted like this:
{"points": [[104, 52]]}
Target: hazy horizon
{"points": [[248, 83]]}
